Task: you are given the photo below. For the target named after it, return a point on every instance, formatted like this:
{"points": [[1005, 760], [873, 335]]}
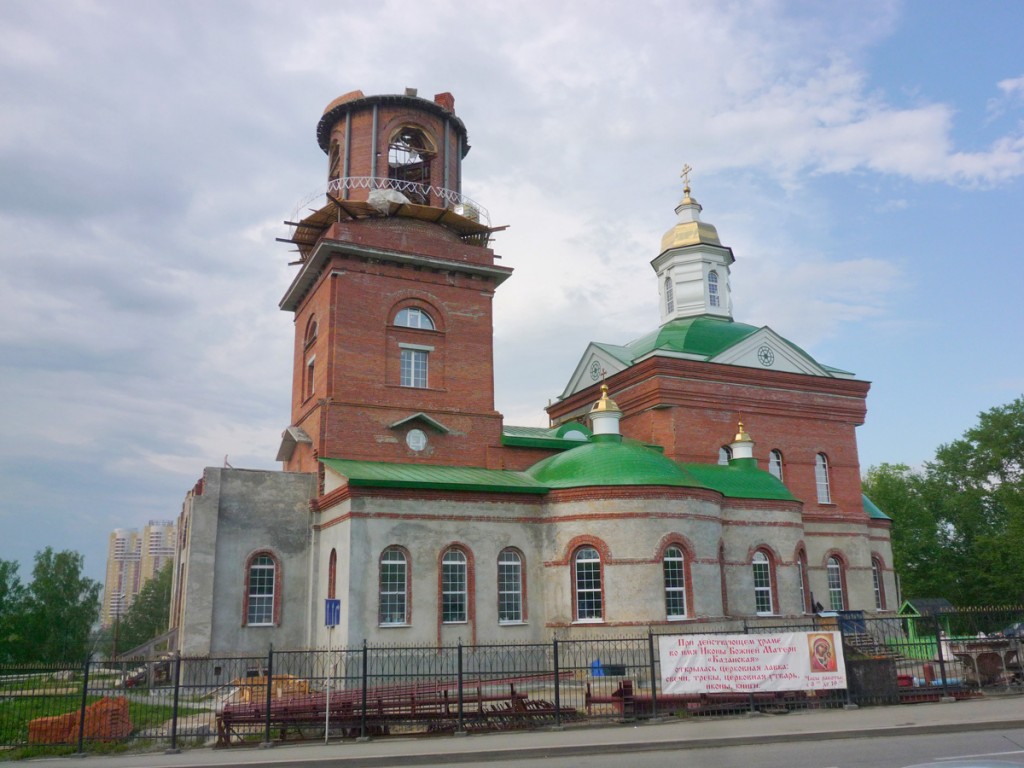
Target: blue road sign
{"points": [[332, 612]]}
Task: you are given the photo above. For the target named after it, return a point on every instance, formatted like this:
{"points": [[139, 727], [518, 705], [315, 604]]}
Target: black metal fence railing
{"points": [[368, 690]]}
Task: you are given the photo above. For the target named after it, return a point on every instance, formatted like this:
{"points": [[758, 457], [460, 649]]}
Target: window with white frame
{"points": [[762, 570], [670, 300], [587, 577], [775, 463], [454, 587], [394, 585], [876, 578], [821, 479], [260, 603], [713, 297], [674, 567], [414, 317], [510, 587], [724, 455], [413, 372], [834, 569]]}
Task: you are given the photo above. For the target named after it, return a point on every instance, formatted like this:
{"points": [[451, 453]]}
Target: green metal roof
{"points": [[741, 479], [705, 335], [545, 437], [380, 474], [610, 462], [873, 511]]}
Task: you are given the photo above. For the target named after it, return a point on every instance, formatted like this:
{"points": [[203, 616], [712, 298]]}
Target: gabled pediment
{"points": [[766, 350], [420, 418], [599, 361]]}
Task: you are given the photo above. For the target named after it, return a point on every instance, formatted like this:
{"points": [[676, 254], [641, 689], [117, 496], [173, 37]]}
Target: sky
{"points": [[863, 160]]}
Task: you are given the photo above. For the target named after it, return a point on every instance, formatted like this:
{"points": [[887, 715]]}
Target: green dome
{"points": [[704, 335], [606, 462]]}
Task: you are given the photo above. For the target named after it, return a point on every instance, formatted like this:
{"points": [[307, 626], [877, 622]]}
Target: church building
{"points": [[704, 472]]}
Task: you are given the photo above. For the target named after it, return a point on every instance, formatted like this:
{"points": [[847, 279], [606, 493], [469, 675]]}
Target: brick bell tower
{"points": [[393, 353]]}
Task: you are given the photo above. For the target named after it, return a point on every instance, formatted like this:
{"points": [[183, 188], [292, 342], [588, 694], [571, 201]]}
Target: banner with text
{"points": [[791, 661]]}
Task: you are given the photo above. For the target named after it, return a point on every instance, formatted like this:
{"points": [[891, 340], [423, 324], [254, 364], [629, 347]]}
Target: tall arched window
{"points": [[714, 299], [262, 582], [394, 587], [670, 299], [454, 587], [510, 587], [414, 317], [674, 568], [879, 585], [587, 578], [724, 455], [332, 575], [312, 328], [836, 598], [821, 479], [775, 463], [409, 156], [762, 571]]}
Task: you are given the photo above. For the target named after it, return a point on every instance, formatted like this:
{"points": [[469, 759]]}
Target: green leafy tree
{"points": [[12, 613], [958, 525], [149, 612], [62, 606]]}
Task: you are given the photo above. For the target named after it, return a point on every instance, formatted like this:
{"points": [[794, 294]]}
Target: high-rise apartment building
{"points": [[133, 558]]}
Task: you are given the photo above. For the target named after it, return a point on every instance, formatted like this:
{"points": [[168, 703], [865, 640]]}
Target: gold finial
{"points": [[741, 435], [685, 176], [605, 404]]}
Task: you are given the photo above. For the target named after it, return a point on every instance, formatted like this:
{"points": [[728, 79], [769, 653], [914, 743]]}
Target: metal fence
{"points": [[380, 690]]}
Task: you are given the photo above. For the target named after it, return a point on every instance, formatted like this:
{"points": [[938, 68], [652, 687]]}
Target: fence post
{"points": [[270, 693], [85, 702], [362, 719], [558, 686], [174, 707], [461, 731], [942, 660], [847, 702], [654, 682]]}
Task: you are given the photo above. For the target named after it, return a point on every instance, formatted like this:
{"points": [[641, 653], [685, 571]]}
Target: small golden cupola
{"points": [[605, 415], [742, 446]]}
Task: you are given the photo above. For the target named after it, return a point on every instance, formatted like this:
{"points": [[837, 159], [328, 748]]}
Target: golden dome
{"points": [[605, 404], [741, 435]]}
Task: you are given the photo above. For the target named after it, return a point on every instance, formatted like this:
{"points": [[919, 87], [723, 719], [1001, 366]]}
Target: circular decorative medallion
{"points": [[416, 439], [765, 356], [595, 370]]}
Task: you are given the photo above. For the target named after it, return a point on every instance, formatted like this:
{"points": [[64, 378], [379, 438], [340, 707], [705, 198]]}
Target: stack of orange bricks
{"points": [[106, 720]]}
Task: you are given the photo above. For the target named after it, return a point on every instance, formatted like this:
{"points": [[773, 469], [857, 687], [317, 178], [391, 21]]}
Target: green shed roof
{"points": [[380, 474], [873, 511]]}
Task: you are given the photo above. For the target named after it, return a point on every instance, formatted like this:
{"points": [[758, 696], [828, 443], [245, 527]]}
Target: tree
{"points": [[12, 610], [149, 613], [62, 606], [958, 525]]}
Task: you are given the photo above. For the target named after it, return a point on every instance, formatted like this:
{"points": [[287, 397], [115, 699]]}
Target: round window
{"points": [[416, 439]]}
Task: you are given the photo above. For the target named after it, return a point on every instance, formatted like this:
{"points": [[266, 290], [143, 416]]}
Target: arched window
{"points": [[454, 587], [587, 578], [670, 300], [805, 592], [332, 575], [262, 581], [879, 585], [836, 598], [414, 317], [510, 587], [394, 587], [713, 297], [821, 479], [724, 455], [775, 463], [762, 570], [674, 567], [409, 156], [312, 328]]}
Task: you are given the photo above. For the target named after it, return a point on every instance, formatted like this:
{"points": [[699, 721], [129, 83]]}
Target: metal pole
{"points": [[462, 725], [327, 701], [174, 711], [362, 720], [942, 660], [654, 682], [270, 693], [558, 697], [81, 714]]}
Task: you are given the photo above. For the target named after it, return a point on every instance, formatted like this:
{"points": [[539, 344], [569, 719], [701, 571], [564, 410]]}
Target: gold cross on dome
{"points": [[685, 175]]}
